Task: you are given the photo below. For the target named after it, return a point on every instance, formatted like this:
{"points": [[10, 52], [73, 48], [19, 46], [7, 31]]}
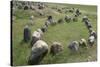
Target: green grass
{"points": [[64, 33]]}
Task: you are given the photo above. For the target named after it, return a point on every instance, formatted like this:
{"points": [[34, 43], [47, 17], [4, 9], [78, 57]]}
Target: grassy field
{"points": [[64, 33]]}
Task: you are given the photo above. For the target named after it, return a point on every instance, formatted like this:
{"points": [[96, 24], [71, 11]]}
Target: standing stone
{"points": [[27, 34]]}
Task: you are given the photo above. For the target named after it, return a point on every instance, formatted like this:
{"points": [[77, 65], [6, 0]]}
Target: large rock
{"points": [[47, 23], [91, 40], [35, 37], [31, 20], [74, 46], [83, 42], [40, 31], [78, 12], [44, 28], [67, 19], [88, 24], [85, 18], [38, 52], [93, 33], [56, 48]]}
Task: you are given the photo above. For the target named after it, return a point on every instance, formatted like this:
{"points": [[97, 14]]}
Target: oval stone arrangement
{"points": [[40, 48]]}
